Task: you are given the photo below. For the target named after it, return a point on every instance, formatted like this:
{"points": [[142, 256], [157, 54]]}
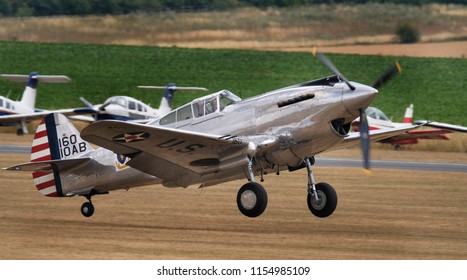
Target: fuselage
{"points": [[306, 119], [303, 120], [10, 107]]}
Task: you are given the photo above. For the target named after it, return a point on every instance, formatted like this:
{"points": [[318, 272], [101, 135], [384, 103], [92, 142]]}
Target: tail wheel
{"points": [[326, 203], [87, 209], [252, 199]]}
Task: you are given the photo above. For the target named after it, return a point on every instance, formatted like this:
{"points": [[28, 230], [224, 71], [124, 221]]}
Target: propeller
{"points": [[91, 106], [321, 57], [364, 139], [87, 103], [388, 75], [363, 124]]}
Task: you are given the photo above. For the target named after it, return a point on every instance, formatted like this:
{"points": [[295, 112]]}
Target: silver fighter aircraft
{"points": [[211, 140]]}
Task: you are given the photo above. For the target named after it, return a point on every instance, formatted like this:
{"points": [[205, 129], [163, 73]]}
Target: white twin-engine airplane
{"points": [[14, 113], [211, 140], [127, 108], [116, 107]]}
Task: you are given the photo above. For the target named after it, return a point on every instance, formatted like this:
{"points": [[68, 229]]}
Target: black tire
{"points": [[328, 205], [252, 199], [87, 209]]}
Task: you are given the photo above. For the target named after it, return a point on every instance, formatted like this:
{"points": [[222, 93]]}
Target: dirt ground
{"points": [[439, 49], [444, 49], [391, 214]]}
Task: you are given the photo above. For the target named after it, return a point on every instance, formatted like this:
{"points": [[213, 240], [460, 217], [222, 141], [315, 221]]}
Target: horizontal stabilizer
{"points": [[40, 78], [49, 165], [174, 88]]}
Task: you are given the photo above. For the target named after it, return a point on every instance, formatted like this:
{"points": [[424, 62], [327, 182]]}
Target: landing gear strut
{"points": [[87, 209], [321, 198]]}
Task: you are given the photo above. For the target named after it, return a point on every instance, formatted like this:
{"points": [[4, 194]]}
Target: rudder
{"points": [[55, 139]]}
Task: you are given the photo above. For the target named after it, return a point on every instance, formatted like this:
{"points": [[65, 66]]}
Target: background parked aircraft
{"points": [[128, 108], [10, 109], [115, 107], [378, 120]]}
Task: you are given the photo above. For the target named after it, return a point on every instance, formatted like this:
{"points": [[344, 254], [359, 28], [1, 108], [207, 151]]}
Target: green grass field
{"points": [[437, 87]]}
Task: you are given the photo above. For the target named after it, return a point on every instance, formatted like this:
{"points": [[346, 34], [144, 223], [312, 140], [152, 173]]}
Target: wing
{"points": [[448, 126], [42, 114], [353, 138], [438, 134], [178, 157]]}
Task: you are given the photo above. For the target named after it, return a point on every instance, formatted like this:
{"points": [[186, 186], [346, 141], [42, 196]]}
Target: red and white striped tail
{"points": [[40, 145], [408, 116], [56, 139], [40, 151]]}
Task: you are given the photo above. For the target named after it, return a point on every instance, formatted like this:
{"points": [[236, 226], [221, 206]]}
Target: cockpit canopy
{"points": [[127, 103], [201, 107], [376, 113]]}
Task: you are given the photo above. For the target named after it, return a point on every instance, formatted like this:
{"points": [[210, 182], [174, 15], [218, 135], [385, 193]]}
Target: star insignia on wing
{"points": [[131, 137]]}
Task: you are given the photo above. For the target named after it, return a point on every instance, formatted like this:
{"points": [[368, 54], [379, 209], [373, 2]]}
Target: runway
{"points": [[14, 149], [394, 164], [329, 161]]}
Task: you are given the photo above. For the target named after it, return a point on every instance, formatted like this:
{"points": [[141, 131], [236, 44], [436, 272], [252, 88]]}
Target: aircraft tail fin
{"points": [[55, 139], [408, 116], [29, 95], [169, 90]]}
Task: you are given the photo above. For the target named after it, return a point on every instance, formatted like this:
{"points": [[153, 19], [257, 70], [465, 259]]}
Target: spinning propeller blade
{"points": [[387, 75], [364, 139], [321, 57]]}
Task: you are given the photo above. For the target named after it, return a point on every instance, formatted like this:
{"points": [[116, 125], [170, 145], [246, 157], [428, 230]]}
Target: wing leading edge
{"points": [[375, 135]]}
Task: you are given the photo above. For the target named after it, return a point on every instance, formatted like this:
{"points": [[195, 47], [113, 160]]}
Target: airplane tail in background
{"points": [[408, 117], [166, 103], [29, 95], [57, 145]]}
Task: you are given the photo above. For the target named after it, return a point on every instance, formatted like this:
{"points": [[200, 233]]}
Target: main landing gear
{"points": [[321, 198], [252, 198]]}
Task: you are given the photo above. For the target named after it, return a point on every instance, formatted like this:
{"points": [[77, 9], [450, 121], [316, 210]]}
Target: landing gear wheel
{"points": [[326, 203], [87, 209], [252, 199]]}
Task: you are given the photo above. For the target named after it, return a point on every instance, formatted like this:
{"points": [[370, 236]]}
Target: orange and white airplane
{"points": [[378, 120]]}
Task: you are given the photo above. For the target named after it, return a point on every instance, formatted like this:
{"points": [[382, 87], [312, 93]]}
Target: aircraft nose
{"points": [[359, 98]]}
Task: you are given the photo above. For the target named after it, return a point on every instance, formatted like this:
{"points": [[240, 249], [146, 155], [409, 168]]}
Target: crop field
{"points": [[436, 86]]}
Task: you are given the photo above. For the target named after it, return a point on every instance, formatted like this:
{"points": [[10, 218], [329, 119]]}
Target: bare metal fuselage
{"points": [[304, 120], [106, 171]]}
